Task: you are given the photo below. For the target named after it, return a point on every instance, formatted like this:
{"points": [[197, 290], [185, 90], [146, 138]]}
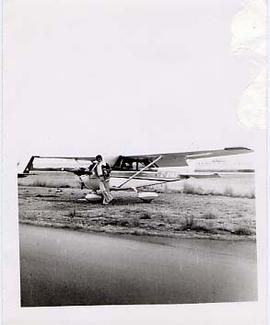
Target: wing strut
{"points": [[140, 171]]}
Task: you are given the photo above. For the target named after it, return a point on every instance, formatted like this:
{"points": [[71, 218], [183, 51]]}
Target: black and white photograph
{"points": [[136, 138], [138, 242]]}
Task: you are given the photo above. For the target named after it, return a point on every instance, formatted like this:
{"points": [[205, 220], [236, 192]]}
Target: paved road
{"points": [[61, 267]]}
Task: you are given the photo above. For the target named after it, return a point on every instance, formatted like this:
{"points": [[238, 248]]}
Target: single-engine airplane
{"points": [[136, 172]]}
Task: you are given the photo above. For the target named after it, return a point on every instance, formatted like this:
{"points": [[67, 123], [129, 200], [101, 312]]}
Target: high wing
{"points": [[138, 163], [180, 159]]}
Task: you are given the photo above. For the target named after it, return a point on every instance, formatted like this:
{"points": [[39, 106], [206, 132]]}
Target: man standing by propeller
{"points": [[102, 171]]}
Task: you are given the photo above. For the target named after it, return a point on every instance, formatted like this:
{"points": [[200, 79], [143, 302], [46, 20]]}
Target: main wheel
{"points": [[147, 200], [92, 197], [147, 197]]}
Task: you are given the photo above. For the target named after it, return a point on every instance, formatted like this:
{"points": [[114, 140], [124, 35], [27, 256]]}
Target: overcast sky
{"points": [[123, 77]]}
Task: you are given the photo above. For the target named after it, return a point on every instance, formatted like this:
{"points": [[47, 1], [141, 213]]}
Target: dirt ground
{"points": [[171, 215]]}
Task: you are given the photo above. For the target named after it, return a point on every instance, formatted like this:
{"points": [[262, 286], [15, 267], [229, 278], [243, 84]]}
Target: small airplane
{"points": [[136, 171]]}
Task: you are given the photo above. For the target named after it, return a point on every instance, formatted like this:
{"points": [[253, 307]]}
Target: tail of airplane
{"points": [[26, 168]]}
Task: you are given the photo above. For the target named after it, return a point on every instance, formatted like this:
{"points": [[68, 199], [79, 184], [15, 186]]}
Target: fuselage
{"points": [[145, 178]]}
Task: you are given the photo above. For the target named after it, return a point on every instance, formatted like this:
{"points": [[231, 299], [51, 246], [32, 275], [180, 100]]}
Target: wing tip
{"points": [[238, 148]]}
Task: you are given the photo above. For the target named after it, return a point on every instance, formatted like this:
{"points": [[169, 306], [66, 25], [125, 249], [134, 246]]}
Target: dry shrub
{"points": [[209, 215], [196, 187], [188, 224], [39, 183], [72, 214], [145, 215], [189, 188], [193, 225], [241, 231], [228, 191], [123, 223], [51, 180], [203, 228]]}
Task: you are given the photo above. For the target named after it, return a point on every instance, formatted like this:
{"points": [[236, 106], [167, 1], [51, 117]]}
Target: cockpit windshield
{"points": [[133, 164]]}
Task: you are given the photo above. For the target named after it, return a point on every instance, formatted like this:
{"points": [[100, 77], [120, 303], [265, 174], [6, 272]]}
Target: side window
{"points": [[133, 164], [141, 165], [128, 165]]}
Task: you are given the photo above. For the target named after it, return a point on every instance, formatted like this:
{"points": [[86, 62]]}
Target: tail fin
{"points": [[27, 168], [29, 165]]}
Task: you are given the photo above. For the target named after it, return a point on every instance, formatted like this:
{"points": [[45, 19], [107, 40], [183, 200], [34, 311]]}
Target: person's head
{"points": [[99, 158]]}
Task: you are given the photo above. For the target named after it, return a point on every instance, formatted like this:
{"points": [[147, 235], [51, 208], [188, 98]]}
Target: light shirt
{"points": [[99, 167]]}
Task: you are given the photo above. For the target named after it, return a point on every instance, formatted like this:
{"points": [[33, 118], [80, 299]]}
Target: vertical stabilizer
{"points": [[25, 167]]}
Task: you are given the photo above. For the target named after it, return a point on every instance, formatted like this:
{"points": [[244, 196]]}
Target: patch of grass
{"points": [[62, 186], [228, 191], [202, 228], [221, 189], [250, 195], [145, 215], [45, 196], [209, 215], [191, 189], [123, 223], [161, 224], [134, 223], [223, 229], [72, 214], [111, 222], [241, 231], [189, 223], [77, 227], [39, 183]]}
